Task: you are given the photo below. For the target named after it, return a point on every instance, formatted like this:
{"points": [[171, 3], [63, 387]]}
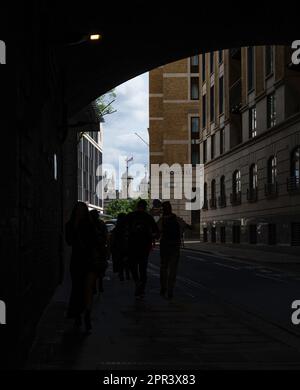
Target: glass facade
{"points": [[89, 159]]}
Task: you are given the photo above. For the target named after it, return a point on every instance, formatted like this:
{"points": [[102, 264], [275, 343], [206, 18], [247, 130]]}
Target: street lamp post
{"points": [[142, 139]]}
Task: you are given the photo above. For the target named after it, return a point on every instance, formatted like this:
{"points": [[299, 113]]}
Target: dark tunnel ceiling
{"points": [[139, 38]]}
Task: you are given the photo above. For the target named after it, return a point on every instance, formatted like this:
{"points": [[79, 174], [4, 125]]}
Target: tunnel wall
{"points": [[35, 205]]}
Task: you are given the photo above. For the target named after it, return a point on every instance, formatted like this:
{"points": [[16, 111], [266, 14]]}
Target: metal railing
{"points": [[293, 184]]}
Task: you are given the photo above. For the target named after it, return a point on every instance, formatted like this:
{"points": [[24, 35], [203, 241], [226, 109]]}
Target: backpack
{"points": [[140, 227], [171, 229]]}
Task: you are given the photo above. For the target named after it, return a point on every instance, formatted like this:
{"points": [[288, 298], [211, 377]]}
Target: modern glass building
{"points": [[90, 188]]}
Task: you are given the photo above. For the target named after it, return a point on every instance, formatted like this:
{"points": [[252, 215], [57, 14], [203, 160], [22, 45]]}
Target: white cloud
{"points": [[132, 116]]}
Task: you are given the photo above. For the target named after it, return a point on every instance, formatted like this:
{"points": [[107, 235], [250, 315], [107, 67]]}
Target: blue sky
{"points": [[132, 116]]}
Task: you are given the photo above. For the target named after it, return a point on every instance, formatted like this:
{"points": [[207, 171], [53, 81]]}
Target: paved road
{"points": [[211, 323], [258, 289]]}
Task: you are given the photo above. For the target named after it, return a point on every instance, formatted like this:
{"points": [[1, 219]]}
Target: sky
{"points": [[119, 128]]}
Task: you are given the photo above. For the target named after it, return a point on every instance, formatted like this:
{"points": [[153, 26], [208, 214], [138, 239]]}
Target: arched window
{"points": [[205, 198], [272, 170], [295, 163], [213, 189], [222, 197], [253, 176], [213, 199], [236, 182], [222, 187]]}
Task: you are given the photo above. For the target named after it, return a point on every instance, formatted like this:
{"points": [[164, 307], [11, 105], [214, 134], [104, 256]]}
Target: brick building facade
{"points": [[174, 121]]}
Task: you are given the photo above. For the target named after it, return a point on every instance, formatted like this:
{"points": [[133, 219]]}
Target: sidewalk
{"points": [[261, 254], [195, 330]]}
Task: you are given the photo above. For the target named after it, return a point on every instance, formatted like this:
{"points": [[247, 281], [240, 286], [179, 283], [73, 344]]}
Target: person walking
{"points": [[170, 241], [81, 234], [101, 250], [119, 248], [142, 231]]}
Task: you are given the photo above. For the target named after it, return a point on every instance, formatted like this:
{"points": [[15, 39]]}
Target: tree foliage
{"points": [[105, 103], [117, 206]]}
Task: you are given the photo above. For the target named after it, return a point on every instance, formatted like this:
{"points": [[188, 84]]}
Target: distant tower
{"points": [[126, 184], [144, 186]]}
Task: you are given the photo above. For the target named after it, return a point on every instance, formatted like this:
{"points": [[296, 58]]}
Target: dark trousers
{"points": [[138, 264], [124, 269], [169, 258]]}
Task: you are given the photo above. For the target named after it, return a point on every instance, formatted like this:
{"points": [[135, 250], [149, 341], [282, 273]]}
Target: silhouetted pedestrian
{"points": [[142, 230], [101, 252], [170, 240], [81, 235], [119, 249], [183, 227]]}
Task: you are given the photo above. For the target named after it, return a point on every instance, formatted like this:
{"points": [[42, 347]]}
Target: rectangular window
{"points": [[195, 154], [194, 64], [195, 127], [212, 104], [220, 56], [213, 145], [211, 66], [269, 60], [221, 95], [203, 68], [252, 122], [222, 141], [271, 110], [204, 111], [204, 151], [194, 88], [250, 63]]}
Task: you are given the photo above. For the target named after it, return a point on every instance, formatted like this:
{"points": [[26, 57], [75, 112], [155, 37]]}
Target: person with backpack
{"points": [[170, 242], [118, 246], [141, 232]]}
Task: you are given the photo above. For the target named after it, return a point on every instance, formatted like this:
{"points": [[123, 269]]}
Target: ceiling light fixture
{"points": [[95, 37]]}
